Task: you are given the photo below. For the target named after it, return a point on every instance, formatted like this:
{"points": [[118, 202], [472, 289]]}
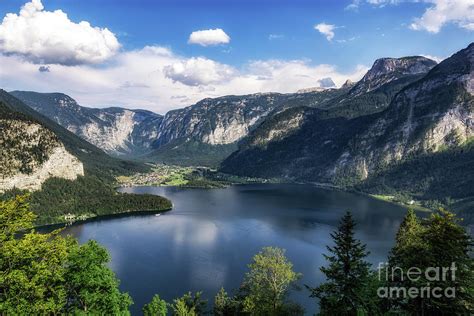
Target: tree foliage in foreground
{"points": [[348, 274], [189, 305], [435, 243], [267, 283], [50, 274], [157, 307], [264, 291]]}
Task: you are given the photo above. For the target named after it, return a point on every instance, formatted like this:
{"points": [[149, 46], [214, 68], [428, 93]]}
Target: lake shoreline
{"points": [[101, 217], [325, 186]]}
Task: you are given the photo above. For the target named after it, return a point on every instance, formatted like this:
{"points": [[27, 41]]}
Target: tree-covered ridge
{"points": [[25, 144], [62, 200]]}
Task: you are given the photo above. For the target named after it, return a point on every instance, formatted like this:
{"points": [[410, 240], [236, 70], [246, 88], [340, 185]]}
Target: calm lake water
{"points": [[210, 236]]}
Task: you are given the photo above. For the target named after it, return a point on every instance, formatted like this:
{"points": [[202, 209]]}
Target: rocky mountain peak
{"points": [[349, 83], [48, 103], [64, 100], [385, 70], [326, 83], [405, 65]]}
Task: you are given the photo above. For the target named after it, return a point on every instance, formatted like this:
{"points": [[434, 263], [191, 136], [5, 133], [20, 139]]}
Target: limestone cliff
{"points": [[31, 153]]}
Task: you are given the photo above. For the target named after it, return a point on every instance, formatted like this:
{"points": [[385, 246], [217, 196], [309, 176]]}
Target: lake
{"points": [[210, 236]]}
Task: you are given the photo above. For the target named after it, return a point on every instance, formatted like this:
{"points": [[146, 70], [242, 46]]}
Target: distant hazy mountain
{"points": [[327, 83]]}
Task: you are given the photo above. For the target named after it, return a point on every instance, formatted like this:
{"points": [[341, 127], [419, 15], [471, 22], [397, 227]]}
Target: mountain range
{"points": [[407, 125]]}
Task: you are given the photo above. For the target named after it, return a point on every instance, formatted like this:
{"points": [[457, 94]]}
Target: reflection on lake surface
{"points": [[210, 236]]}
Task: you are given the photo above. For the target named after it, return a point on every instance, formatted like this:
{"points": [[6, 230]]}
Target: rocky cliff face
{"points": [[219, 124], [115, 130], [60, 164], [423, 110], [211, 122], [31, 154], [218, 121], [385, 70], [434, 114]]}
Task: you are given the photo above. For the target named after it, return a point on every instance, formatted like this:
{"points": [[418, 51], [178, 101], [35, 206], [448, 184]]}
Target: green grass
{"points": [[393, 199]]}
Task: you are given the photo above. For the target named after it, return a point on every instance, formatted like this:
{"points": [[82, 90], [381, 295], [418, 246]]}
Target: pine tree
{"points": [[348, 274], [449, 244], [434, 245], [407, 253]]}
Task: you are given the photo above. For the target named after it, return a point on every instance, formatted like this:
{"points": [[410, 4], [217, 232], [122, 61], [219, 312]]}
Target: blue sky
{"points": [[264, 35]]}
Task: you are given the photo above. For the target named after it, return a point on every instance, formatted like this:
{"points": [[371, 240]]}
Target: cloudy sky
{"points": [[161, 55]]}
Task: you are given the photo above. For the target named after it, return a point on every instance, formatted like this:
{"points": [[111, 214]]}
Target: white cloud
{"points": [[209, 37], [438, 14], [379, 3], [275, 36], [44, 51], [382, 3], [441, 12], [326, 29], [198, 71], [51, 38]]}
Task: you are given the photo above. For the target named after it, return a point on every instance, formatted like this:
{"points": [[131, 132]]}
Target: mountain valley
{"points": [[363, 136]]}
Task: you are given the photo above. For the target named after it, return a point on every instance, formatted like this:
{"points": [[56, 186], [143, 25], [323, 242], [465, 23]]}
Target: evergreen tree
{"points": [[407, 253], [157, 307], [348, 274], [433, 248], [449, 245]]}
